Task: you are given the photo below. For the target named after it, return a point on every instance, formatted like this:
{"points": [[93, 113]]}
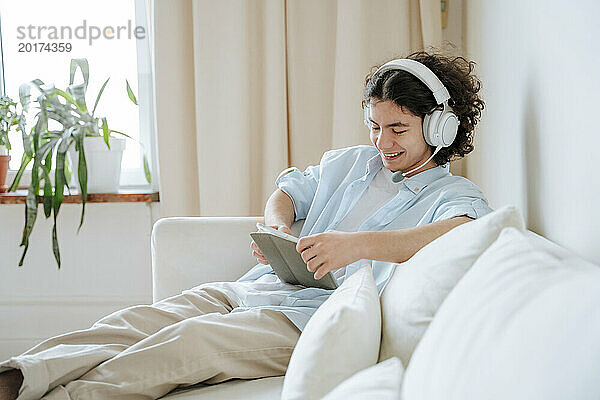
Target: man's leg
{"points": [[210, 348], [64, 358]]}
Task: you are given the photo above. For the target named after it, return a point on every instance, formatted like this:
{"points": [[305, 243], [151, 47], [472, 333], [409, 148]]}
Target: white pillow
{"points": [[340, 339], [381, 381], [523, 324], [418, 286]]}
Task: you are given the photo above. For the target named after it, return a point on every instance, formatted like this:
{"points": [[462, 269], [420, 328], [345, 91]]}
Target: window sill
{"points": [[123, 196]]}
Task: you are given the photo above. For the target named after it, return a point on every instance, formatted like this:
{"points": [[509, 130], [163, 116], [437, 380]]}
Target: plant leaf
{"points": [[23, 255], [25, 137], [27, 144], [82, 63], [55, 248], [68, 173], [31, 202], [106, 132], [25, 96], [38, 83], [99, 95], [82, 176], [46, 168], [147, 170], [78, 93], [121, 133], [25, 160], [130, 93], [30, 216], [67, 96], [59, 183]]}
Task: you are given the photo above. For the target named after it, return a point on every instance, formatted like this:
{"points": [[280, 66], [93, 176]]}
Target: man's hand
{"points": [[256, 251], [325, 252]]}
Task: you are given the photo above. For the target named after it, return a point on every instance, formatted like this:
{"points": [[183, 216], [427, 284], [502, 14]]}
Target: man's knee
{"points": [[126, 317]]}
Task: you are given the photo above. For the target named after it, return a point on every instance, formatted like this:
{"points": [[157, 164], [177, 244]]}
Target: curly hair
{"points": [[409, 93]]}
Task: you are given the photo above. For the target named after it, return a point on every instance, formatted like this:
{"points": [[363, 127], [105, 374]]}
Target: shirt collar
{"points": [[374, 163], [415, 183], [418, 182]]}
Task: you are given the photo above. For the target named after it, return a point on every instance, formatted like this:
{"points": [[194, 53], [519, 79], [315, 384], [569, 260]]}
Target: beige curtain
{"points": [[279, 82], [175, 108]]}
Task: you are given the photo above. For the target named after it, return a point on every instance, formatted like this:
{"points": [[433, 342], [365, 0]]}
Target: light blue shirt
{"points": [[325, 193]]}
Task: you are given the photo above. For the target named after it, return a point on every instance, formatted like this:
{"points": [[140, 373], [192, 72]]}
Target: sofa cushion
{"points": [[418, 286], [522, 324], [381, 381], [340, 339], [255, 389]]}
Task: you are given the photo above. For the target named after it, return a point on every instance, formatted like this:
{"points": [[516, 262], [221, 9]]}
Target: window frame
{"points": [[131, 178]]}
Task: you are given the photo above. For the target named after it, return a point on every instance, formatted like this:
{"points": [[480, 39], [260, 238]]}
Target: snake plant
{"points": [[48, 148]]}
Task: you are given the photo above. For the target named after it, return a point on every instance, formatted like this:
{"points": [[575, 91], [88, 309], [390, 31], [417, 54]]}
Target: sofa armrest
{"points": [[189, 251]]}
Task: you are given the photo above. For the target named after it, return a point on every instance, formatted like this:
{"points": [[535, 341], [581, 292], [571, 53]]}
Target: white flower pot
{"points": [[103, 164]]}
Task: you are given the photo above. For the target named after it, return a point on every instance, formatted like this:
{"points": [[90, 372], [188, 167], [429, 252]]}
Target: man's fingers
{"points": [[303, 245], [308, 254], [259, 256], [255, 249], [324, 269], [313, 265], [320, 272], [282, 228]]}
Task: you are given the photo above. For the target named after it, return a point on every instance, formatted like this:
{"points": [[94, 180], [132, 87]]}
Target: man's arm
{"points": [[331, 250], [400, 245], [279, 214], [279, 209]]}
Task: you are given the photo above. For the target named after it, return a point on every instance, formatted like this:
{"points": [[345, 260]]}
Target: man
{"points": [[365, 204]]}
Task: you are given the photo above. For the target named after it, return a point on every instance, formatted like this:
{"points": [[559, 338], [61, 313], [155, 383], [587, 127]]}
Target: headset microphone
{"points": [[399, 176]]}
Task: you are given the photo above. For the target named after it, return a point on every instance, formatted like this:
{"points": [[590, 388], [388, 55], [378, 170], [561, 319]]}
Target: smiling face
{"points": [[398, 135]]}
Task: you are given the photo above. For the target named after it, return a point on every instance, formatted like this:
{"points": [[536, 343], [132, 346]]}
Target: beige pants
{"points": [[144, 352]]}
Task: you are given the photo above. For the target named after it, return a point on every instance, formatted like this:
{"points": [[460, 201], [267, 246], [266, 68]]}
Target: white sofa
{"points": [[523, 323], [188, 251]]}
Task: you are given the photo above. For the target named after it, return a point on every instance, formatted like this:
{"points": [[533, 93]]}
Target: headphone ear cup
{"points": [[426, 120], [430, 124], [448, 129]]}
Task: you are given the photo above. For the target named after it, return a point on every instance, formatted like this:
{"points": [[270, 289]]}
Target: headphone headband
{"points": [[420, 71]]}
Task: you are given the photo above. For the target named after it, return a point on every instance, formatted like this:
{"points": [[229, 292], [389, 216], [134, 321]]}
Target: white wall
{"points": [[538, 61], [452, 34], [105, 268]]}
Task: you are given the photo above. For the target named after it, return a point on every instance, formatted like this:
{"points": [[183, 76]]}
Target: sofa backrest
{"points": [[189, 251], [523, 323]]}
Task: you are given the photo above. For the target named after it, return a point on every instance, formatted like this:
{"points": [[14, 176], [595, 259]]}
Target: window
{"points": [[114, 36]]}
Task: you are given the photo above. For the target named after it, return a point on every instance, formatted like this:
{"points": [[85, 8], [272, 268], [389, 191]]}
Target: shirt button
{"points": [[417, 189]]}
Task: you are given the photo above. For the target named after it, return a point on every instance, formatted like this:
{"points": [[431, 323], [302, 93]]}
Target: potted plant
{"points": [[9, 119], [79, 133], [104, 158]]}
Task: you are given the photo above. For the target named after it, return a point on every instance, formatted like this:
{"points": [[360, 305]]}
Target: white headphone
{"points": [[439, 126]]}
